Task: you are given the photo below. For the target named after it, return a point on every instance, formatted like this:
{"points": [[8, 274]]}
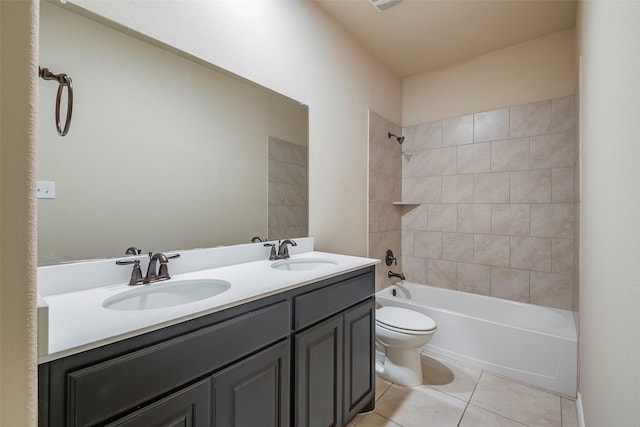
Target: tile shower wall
{"points": [[493, 202], [288, 190], [385, 188]]}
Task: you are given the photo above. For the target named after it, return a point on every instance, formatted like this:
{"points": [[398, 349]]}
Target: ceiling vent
{"points": [[382, 5]]}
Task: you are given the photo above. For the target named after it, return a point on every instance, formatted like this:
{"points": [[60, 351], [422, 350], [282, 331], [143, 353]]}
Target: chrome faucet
{"points": [[283, 248], [162, 272]]}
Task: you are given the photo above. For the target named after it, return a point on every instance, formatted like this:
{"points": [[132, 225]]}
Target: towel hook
{"points": [[63, 81]]}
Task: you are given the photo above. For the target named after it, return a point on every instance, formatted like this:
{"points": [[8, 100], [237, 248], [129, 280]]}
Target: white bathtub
{"points": [[529, 343]]}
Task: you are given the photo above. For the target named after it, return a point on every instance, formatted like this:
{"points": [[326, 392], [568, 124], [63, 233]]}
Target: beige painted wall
{"points": [[293, 48], [18, 50], [543, 68], [164, 153], [320, 65], [609, 38]]}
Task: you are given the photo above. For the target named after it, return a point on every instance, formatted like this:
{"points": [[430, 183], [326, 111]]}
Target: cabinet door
{"points": [[188, 407], [255, 391], [359, 354], [318, 375]]}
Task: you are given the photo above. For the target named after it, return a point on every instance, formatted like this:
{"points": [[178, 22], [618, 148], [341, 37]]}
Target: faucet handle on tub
{"points": [[389, 259]]}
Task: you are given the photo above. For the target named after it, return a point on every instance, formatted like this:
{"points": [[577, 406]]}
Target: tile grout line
{"points": [[470, 397]]}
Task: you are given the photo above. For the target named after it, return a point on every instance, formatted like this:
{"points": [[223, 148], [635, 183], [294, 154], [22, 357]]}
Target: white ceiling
{"points": [[419, 35]]}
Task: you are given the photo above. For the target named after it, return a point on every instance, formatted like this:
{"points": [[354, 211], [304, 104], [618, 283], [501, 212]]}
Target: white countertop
{"points": [[77, 321]]}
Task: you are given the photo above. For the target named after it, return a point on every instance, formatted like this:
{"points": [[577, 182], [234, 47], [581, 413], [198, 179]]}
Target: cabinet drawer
{"points": [[319, 304], [101, 391]]}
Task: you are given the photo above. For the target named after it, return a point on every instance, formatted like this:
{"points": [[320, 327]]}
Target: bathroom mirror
{"points": [[165, 152]]}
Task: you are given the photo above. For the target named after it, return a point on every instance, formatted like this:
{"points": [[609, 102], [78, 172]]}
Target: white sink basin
{"points": [[166, 294], [303, 264]]}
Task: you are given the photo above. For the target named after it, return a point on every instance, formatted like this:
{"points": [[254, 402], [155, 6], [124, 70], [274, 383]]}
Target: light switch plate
{"points": [[46, 190]]}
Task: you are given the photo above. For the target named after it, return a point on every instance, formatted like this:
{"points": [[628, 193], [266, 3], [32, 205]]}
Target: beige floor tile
{"points": [[420, 407], [569, 413], [355, 420], [478, 417], [374, 420], [449, 377], [381, 386], [518, 402]]}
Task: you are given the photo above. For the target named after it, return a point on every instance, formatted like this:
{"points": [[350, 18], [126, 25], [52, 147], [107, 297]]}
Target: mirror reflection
{"points": [[164, 151]]}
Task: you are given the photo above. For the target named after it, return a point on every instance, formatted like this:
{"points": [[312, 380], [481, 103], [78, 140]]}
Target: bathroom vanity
{"points": [[301, 355]]}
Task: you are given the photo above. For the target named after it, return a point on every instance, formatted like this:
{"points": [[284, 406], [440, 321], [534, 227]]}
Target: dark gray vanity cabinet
{"points": [[255, 391], [188, 407], [334, 374], [301, 357]]}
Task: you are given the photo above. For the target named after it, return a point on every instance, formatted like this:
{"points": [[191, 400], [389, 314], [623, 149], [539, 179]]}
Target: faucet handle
{"points": [[136, 273], [163, 270], [272, 256]]}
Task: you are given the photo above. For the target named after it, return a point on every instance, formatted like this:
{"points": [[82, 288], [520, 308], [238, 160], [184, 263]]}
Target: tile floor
{"points": [[454, 395]]}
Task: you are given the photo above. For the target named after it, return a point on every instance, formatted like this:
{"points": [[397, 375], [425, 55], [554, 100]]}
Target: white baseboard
{"points": [[580, 412]]}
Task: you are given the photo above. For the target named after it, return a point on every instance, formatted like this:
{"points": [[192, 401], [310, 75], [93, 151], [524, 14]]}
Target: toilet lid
{"points": [[402, 318]]}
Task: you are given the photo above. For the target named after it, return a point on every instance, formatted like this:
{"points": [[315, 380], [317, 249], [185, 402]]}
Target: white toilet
{"points": [[400, 333]]}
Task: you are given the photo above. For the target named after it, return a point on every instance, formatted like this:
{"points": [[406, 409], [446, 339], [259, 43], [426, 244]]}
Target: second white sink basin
{"points": [[303, 264], [166, 294]]}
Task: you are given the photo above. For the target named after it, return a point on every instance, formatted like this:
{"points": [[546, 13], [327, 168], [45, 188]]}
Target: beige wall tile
{"points": [[509, 283], [442, 217], [457, 247], [428, 135], [562, 256], [492, 250], [407, 243], [414, 164], [374, 209], [563, 117], [552, 220], [457, 189], [530, 119], [427, 244], [491, 125], [414, 269], [531, 253], [510, 155], [441, 273], [389, 217], [474, 218], [551, 290], [474, 278], [474, 158], [510, 219], [414, 218], [530, 186], [441, 161], [457, 130], [562, 185], [491, 187], [424, 190], [555, 150]]}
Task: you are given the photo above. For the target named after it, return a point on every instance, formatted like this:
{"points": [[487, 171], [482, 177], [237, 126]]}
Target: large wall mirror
{"points": [[164, 151]]}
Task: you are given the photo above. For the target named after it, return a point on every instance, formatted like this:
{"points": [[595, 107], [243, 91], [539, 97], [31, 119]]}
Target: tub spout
{"points": [[400, 276]]}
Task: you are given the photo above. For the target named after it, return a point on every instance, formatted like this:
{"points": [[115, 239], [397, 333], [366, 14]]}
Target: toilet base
{"points": [[401, 366]]}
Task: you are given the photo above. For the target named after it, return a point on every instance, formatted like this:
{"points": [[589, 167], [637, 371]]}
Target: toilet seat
{"points": [[400, 319]]}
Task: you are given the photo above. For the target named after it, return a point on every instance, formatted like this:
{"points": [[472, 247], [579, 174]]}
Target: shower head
{"points": [[398, 138]]}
